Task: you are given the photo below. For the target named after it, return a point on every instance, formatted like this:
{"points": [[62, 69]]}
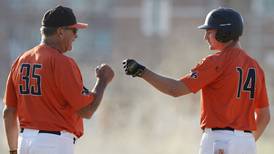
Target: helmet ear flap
{"points": [[223, 36]]}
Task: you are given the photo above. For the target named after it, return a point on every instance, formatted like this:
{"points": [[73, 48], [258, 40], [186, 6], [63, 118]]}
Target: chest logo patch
{"points": [[194, 75]]}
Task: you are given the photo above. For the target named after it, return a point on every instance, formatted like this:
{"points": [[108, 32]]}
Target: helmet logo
{"points": [[223, 25]]}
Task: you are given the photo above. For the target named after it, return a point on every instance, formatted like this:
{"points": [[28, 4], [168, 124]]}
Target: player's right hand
{"points": [[104, 72], [133, 68]]}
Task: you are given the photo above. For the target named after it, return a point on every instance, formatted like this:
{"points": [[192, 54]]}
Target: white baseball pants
{"points": [[30, 141], [227, 142]]}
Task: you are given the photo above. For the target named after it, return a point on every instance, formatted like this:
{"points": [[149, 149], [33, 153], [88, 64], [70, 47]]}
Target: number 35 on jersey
{"points": [[30, 79]]}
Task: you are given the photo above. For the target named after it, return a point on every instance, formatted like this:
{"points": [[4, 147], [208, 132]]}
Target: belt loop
{"points": [[206, 130], [21, 130]]}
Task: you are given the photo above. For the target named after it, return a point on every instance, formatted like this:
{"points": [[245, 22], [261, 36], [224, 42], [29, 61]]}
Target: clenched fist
{"points": [[104, 72], [133, 68]]}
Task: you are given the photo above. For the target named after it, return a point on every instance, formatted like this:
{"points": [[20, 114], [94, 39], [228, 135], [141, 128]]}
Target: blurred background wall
{"points": [[134, 118]]}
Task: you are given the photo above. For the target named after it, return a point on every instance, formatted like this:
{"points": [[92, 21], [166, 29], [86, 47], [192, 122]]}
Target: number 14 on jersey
{"points": [[246, 84]]}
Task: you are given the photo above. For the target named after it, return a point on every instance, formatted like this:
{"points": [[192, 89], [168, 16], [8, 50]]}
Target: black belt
{"points": [[230, 129], [44, 131], [49, 132]]}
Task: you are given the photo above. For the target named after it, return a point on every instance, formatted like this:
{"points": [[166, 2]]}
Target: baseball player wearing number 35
{"points": [[45, 91], [234, 102]]}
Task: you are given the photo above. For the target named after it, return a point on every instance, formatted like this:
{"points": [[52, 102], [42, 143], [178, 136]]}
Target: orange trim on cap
{"points": [[79, 25]]}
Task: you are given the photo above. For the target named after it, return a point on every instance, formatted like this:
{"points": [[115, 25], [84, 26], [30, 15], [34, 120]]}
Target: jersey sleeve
{"points": [[262, 100], [10, 97], [203, 74], [69, 80]]}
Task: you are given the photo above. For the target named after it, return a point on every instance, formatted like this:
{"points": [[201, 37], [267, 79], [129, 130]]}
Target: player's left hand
{"points": [[133, 68]]}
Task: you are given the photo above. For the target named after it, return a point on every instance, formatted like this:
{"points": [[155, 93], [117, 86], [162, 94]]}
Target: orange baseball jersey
{"points": [[47, 89], [233, 86]]}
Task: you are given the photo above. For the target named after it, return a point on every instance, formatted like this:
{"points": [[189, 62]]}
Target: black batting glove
{"points": [[133, 68]]}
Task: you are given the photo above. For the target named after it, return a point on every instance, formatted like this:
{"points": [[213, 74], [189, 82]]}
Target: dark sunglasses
{"points": [[74, 30]]}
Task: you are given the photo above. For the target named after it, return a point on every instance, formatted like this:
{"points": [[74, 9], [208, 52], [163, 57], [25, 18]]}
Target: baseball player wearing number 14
{"points": [[234, 102]]}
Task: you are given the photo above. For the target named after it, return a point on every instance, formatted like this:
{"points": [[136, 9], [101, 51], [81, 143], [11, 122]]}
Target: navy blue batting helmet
{"points": [[227, 22]]}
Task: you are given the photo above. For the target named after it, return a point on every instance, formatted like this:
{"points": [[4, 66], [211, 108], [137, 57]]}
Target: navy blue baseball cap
{"points": [[61, 17]]}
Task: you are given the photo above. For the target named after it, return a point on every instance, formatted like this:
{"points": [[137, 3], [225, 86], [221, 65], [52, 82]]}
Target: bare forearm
{"points": [[166, 85], [104, 76], [262, 120], [261, 125], [12, 135], [11, 128], [98, 90]]}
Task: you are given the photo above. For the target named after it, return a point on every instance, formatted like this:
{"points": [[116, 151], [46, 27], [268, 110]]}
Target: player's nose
{"points": [[206, 36]]}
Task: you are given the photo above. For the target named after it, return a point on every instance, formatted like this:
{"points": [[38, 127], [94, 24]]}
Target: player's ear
{"points": [[60, 32]]}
